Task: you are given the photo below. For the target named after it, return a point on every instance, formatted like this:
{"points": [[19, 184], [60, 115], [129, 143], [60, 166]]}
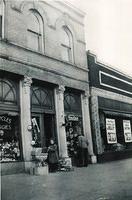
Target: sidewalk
{"points": [[108, 181]]}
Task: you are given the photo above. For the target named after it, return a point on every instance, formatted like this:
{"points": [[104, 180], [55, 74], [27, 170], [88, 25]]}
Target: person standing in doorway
{"points": [[82, 151], [53, 158]]}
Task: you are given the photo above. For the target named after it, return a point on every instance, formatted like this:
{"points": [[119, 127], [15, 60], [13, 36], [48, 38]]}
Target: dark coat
{"points": [[52, 154]]}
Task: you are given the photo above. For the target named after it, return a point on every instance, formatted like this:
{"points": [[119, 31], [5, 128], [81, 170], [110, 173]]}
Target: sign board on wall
{"points": [[127, 130], [111, 131], [73, 118]]}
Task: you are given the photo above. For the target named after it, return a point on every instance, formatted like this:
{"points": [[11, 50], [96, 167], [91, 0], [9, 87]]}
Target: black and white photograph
{"points": [[65, 100]]}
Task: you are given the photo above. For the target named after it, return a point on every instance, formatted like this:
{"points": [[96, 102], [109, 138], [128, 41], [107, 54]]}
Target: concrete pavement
{"points": [[107, 181]]}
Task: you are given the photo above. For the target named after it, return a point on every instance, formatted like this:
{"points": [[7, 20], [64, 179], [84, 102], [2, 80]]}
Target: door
{"points": [[49, 128]]}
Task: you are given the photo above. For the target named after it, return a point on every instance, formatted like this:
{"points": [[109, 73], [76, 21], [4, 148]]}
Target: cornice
{"points": [[111, 95]]}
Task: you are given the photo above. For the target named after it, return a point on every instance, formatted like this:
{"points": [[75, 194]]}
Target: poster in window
{"points": [[127, 130], [111, 131]]}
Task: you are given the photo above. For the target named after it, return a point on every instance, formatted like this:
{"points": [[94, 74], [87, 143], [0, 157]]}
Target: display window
{"points": [[116, 132], [9, 138], [73, 129]]}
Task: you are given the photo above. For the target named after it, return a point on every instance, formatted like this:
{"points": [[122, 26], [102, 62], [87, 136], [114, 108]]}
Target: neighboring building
{"points": [[111, 111], [43, 78]]}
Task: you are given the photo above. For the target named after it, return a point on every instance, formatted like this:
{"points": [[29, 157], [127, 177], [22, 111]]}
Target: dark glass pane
{"points": [[72, 102], [0, 26], [42, 98], [7, 92]]}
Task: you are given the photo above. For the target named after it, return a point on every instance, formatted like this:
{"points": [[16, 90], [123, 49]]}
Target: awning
{"points": [[116, 113]]}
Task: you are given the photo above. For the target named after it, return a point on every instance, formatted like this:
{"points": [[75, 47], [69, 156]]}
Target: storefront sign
{"points": [[73, 118], [111, 131], [5, 122], [127, 130]]}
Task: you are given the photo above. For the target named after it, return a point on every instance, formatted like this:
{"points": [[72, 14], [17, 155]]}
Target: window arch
{"points": [[7, 92], [66, 44], [41, 97], [2, 7], [35, 32], [72, 102]]}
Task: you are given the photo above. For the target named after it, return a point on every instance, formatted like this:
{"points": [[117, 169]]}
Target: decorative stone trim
{"points": [[27, 81], [110, 95]]}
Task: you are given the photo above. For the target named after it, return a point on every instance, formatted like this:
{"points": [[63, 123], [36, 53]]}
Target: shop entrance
{"points": [[43, 112], [43, 129]]}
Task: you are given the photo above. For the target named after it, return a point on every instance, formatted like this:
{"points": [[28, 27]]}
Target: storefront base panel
{"points": [[112, 156], [12, 168]]}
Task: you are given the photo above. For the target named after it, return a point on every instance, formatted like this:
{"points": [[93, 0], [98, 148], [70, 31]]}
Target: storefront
{"points": [[10, 134], [43, 114], [111, 111], [115, 128], [73, 122]]}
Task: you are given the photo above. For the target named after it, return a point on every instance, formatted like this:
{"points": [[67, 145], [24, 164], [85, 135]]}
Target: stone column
{"points": [[26, 119], [96, 124], [87, 124], [59, 99]]}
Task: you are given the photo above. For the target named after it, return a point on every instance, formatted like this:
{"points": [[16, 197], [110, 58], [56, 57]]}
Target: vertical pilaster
{"points": [[26, 117], [96, 124], [87, 124], [59, 99]]}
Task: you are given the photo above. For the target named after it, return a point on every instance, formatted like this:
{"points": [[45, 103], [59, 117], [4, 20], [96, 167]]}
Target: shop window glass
{"points": [[0, 26], [66, 44], [7, 92], [120, 144], [35, 31], [9, 138]]}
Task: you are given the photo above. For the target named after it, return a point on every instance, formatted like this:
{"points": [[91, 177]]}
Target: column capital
{"points": [[27, 81], [86, 94], [61, 89]]}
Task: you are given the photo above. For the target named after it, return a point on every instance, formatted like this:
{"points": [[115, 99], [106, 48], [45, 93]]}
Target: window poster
{"points": [[111, 131], [127, 130]]}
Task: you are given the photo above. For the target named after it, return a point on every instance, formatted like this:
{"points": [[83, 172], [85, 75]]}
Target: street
{"points": [[107, 181]]}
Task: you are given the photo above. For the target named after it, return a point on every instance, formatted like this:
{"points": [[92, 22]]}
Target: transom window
{"points": [[7, 92], [72, 102], [42, 98], [66, 44], [35, 31]]}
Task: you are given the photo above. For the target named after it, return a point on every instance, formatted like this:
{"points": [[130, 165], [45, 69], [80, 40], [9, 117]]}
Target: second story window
{"points": [[1, 19], [66, 45], [35, 31]]}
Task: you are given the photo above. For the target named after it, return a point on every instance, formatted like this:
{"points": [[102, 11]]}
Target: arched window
{"points": [[35, 31], [41, 98], [66, 44], [72, 102], [1, 19], [7, 92]]}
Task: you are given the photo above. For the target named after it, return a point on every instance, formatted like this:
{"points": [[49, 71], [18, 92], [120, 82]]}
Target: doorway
{"points": [[49, 128], [43, 129]]}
